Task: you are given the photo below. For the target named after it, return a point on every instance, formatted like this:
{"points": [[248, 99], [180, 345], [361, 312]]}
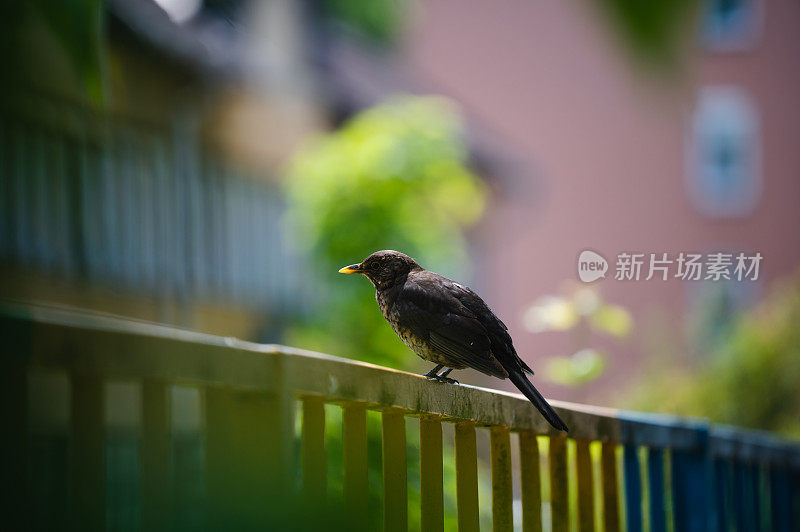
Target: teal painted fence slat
{"points": [[781, 501], [691, 487], [633, 489], [655, 474], [723, 480]]}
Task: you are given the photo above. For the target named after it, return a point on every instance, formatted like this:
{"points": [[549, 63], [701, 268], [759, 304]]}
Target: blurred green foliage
{"points": [[379, 21], [580, 313], [76, 25], [750, 380], [393, 177], [653, 31]]}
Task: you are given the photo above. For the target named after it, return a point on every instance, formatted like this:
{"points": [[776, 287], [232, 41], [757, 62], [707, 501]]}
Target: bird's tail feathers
{"points": [[533, 395]]}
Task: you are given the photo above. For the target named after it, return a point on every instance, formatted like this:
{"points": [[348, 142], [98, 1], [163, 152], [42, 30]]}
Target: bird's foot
{"points": [[433, 373], [439, 378]]}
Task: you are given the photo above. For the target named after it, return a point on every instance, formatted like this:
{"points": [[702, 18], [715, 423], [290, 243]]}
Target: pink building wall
{"points": [[606, 158]]}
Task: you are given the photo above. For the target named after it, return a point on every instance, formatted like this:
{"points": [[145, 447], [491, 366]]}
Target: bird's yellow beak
{"points": [[353, 268]]}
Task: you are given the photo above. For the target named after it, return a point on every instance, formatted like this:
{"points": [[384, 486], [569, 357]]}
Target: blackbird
{"points": [[446, 323]]}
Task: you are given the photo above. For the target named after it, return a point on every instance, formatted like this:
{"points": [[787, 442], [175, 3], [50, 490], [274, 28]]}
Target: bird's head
{"points": [[383, 268]]}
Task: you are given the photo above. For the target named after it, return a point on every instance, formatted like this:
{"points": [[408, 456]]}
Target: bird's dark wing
{"points": [[459, 324], [428, 308], [502, 345]]}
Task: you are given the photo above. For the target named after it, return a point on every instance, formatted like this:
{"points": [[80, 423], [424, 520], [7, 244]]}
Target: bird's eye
{"points": [[374, 266]]}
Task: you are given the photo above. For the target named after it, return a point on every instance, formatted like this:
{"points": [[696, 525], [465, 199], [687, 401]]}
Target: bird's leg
{"points": [[432, 374], [443, 376]]}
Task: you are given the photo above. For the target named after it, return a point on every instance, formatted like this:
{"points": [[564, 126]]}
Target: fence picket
{"points": [[585, 486], [395, 485], [313, 449], [610, 487], [781, 504], [431, 479], [156, 457], [633, 489], [692, 490], [354, 441], [502, 493], [244, 461], [655, 480], [87, 453], [559, 505], [531, 482], [467, 477]]}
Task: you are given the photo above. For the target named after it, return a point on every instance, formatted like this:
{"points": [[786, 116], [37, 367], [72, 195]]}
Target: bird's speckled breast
{"points": [[415, 343]]}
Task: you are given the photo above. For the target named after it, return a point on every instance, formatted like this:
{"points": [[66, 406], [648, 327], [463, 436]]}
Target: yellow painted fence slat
{"points": [[467, 477], [430, 460], [502, 493], [585, 486], [530, 476], [558, 483]]}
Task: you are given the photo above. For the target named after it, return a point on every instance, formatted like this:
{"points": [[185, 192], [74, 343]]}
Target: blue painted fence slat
{"points": [[655, 474], [755, 480], [690, 490], [718, 472], [781, 501], [723, 473], [746, 514], [794, 481], [738, 496], [633, 489]]}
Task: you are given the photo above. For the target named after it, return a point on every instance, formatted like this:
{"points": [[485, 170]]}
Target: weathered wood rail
{"points": [[670, 474]]}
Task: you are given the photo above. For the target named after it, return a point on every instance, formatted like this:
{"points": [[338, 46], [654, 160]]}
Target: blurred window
{"points": [[731, 25], [723, 177]]}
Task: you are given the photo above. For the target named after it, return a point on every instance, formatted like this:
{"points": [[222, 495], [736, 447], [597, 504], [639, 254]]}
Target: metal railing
{"points": [[651, 471], [119, 201]]}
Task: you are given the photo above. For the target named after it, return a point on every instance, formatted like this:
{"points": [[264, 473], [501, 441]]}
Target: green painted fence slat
{"points": [[244, 459], [633, 489], [530, 475], [156, 451], [585, 486], [395, 484], [502, 493], [314, 461], [354, 441], [608, 462], [559, 500], [431, 479], [87, 453], [467, 477]]}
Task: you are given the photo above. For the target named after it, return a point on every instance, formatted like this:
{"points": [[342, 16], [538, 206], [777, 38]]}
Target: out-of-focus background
{"points": [[210, 164]]}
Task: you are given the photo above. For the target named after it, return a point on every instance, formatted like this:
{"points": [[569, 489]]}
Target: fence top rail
{"points": [[79, 342]]}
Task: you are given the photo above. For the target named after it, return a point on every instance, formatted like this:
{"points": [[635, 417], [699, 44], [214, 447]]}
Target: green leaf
{"points": [[580, 368], [653, 31], [612, 319]]}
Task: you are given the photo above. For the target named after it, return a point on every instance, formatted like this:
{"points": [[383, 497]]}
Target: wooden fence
{"points": [[645, 471]]}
